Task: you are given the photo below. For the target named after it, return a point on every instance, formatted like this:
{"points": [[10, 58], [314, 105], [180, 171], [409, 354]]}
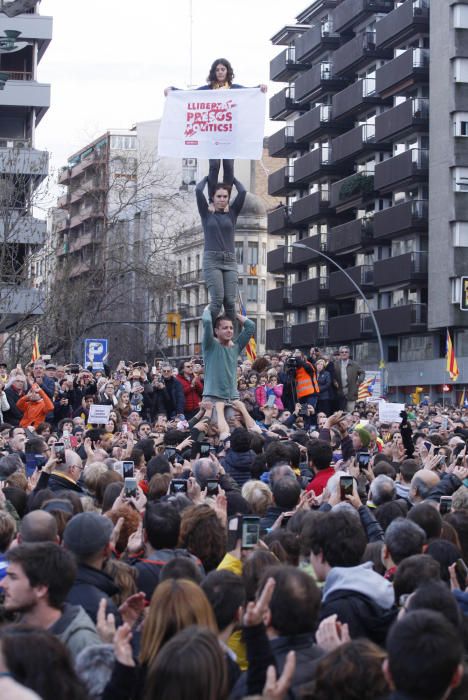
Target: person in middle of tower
{"points": [[219, 256]]}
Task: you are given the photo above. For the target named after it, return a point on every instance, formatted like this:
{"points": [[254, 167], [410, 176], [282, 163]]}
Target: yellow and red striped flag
{"points": [[365, 388], [462, 399], [251, 347], [35, 351], [452, 365]]}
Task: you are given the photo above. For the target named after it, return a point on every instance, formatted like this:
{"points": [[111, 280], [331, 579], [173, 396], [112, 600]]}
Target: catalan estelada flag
{"points": [[365, 388], [251, 347], [452, 366], [35, 351]]}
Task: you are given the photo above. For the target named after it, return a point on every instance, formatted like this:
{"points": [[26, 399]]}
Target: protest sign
{"points": [[390, 412], [99, 413]]}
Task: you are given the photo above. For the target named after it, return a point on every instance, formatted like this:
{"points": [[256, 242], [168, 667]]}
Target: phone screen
{"points": [[30, 464], [445, 505], [212, 487], [363, 460], [128, 470], [250, 531], [179, 486], [271, 401], [130, 487], [204, 449], [170, 453], [59, 448], [346, 487]]}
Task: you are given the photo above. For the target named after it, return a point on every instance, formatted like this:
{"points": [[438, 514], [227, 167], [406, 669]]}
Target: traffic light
{"points": [[464, 294], [173, 326]]}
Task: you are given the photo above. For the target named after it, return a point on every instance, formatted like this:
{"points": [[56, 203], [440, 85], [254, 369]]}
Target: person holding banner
{"points": [[219, 257], [220, 77]]}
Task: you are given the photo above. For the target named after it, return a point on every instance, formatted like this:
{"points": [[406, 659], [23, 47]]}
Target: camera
{"points": [[291, 364]]}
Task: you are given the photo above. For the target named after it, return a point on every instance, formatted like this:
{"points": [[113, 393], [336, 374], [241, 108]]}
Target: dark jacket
{"points": [[308, 655], [448, 484], [271, 516], [361, 598], [57, 482], [13, 415], [355, 375], [173, 397], [149, 568], [238, 464], [90, 586], [325, 382]]}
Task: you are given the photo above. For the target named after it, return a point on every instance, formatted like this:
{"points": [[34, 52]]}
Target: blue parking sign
{"points": [[95, 352]]}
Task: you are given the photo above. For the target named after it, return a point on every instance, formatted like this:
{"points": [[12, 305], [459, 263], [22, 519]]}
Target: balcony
{"points": [[412, 17], [282, 142], [312, 164], [18, 300], [411, 115], [24, 161], [22, 92], [285, 66], [401, 269], [402, 218], [190, 277], [303, 335], [409, 318], [352, 191], [360, 140], [315, 41], [350, 327], [302, 257], [356, 53], [402, 170], [275, 260], [278, 299], [278, 220], [277, 338], [310, 208], [316, 82], [408, 69], [355, 98], [309, 291], [341, 286], [316, 122], [283, 104], [351, 236], [18, 227], [350, 13], [281, 181]]}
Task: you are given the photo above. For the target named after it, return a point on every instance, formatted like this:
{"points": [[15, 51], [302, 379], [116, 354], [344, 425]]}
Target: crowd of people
{"points": [[278, 542]]}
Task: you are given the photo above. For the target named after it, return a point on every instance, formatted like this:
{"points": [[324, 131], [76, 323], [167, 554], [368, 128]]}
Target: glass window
{"points": [[417, 347], [252, 290], [239, 248], [252, 253], [311, 313]]}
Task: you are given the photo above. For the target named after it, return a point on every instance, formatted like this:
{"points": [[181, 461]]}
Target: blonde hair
{"points": [[175, 605], [91, 474], [258, 496]]}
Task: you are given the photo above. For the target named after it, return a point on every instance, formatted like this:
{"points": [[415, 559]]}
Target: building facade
{"points": [[24, 100], [376, 139]]}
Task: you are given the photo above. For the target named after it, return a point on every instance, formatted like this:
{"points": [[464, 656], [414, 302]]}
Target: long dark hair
{"points": [[38, 660], [212, 74]]}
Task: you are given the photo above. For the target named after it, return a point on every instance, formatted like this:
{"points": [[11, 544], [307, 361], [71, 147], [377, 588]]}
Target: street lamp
{"points": [[363, 297]]}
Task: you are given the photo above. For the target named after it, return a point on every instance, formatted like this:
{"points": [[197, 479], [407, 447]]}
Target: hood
{"points": [[361, 579], [241, 461], [94, 577], [71, 614]]}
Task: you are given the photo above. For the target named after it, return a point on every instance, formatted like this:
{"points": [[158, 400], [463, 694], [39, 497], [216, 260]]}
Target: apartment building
{"points": [[376, 127], [24, 101]]}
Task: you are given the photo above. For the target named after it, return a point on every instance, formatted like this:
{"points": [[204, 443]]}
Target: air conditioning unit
{"points": [[189, 162]]}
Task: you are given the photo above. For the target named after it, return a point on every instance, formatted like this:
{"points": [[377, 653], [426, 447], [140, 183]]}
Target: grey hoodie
{"points": [[75, 629], [360, 579]]}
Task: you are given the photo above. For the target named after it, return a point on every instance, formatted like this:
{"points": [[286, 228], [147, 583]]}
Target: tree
{"points": [[113, 261]]}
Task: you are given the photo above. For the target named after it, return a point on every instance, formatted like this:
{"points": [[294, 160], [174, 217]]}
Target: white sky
{"points": [[109, 60]]}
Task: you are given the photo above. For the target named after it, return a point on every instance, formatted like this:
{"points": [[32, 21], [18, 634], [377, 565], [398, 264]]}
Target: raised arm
{"points": [[238, 203], [202, 204], [208, 337]]}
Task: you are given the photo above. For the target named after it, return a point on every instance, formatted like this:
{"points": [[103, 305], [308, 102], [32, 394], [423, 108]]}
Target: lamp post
{"points": [[363, 297]]}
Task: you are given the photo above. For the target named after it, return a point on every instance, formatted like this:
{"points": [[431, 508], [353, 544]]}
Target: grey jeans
{"points": [[221, 279]]}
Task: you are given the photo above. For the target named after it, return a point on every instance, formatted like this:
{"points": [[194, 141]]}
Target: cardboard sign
{"points": [[390, 412], [99, 414]]}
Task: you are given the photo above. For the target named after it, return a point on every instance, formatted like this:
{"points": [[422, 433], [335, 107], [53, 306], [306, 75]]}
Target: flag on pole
{"points": [[452, 366], [251, 347], [462, 399], [35, 351], [365, 388]]}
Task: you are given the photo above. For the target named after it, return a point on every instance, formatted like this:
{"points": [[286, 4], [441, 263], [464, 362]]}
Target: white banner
{"points": [[99, 413], [390, 412], [213, 124]]}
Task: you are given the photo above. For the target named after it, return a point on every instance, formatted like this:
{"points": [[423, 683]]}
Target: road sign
{"points": [[95, 352]]}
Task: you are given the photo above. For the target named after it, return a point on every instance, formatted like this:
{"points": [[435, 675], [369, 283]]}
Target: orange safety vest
{"points": [[305, 384]]}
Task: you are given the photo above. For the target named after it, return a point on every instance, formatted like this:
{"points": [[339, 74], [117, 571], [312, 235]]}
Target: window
{"points": [[460, 179], [264, 254], [189, 171], [252, 290], [311, 313], [262, 331], [455, 290], [460, 16], [460, 124], [239, 247], [417, 347], [460, 234], [460, 70], [262, 291], [252, 253]]}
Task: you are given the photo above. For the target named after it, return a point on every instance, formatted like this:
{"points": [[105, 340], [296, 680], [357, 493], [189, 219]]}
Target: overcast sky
{"points": [[109, 60]]}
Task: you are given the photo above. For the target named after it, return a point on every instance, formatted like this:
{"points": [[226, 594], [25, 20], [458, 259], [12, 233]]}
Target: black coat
{"points": [[13, 415], [363, 616], [91, 585], [238, 465]]}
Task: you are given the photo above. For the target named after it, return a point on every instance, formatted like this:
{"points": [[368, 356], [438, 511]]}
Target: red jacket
{"points": [[192, 394], [320, 480]]}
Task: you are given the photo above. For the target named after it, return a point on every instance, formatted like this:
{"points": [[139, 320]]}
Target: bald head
{"points": [[38, 526], [421, 484]]}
